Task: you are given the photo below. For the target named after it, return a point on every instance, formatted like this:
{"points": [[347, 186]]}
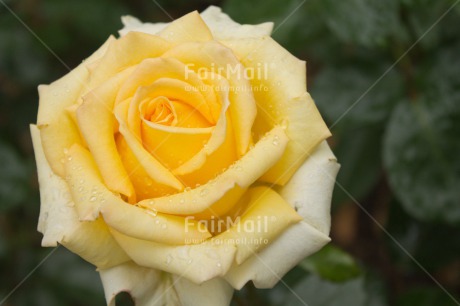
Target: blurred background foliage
{"points": [[385, 76]]}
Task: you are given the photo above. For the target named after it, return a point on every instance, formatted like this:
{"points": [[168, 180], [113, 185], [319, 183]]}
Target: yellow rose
{"points": [[191, 148]]}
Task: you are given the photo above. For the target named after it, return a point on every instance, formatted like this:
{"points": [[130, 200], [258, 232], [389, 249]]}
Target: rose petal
{"points": [[216, 57], [285, 100], [214, 292], [189, 27], [266, 268], [223, 27], [132, 24], [309, 191], [146, 286], [96, 121], [125, 52], [220, 24], [57, 129], [196, 262], [243, 173], [91, 196], [310, 188], [153, 287], [267, 216], [144, 185], [59, 222]]}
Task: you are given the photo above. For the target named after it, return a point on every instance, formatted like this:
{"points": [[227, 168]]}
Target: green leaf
{"points": [[421, 146], [333, 264], [367, 23], [345, 97], [359, 153]]}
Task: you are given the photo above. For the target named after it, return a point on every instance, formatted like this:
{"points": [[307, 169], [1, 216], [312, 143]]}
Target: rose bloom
{"points": [[184, 160]]}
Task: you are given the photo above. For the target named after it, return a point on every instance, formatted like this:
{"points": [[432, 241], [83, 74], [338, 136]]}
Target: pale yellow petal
{"points": [[243, 173], [223, 27], [146, 286], [58, 131], [88, 192], [266, 217], [285, 100], [189, 27], [132, 24], [267, 267], [197, 263], [96, 120], [125, 52], [217, 58], [214, 292], [309, 190], [59, 221]]}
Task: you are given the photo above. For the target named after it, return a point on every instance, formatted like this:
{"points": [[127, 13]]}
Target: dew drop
{"points": [[182, 201], [164, 226], [219, 265], [152, 212], [157, 221], [92, 199], [204, 192], [275, 142], [187, 189], [169, 259], [189, 261]]}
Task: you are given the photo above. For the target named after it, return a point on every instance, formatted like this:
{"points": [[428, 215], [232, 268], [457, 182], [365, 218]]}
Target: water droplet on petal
{"points": [[204, 192], [92, 199], [164, 226], [169, 259]]}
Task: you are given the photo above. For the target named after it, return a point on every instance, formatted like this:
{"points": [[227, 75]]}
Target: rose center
{"points": [[159, 110]]}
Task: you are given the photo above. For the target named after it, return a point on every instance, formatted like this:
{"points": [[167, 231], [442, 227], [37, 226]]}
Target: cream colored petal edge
{"points": [[223, 27], [214, 292], [266, 217], [92, 197], [58, 131], [198, 262], [59, 223], [220, 24], [150, 287], [309, 190], [243, 173], [267, 267], [146, 286], [285, 100]]}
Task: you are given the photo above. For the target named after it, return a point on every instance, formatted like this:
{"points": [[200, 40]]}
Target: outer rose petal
{"points": [[153, 287], [220, 24], [197, 262], [57, 129], [310, 189], [313, 183], [286, 100], [59, 221], [223, 27]]}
